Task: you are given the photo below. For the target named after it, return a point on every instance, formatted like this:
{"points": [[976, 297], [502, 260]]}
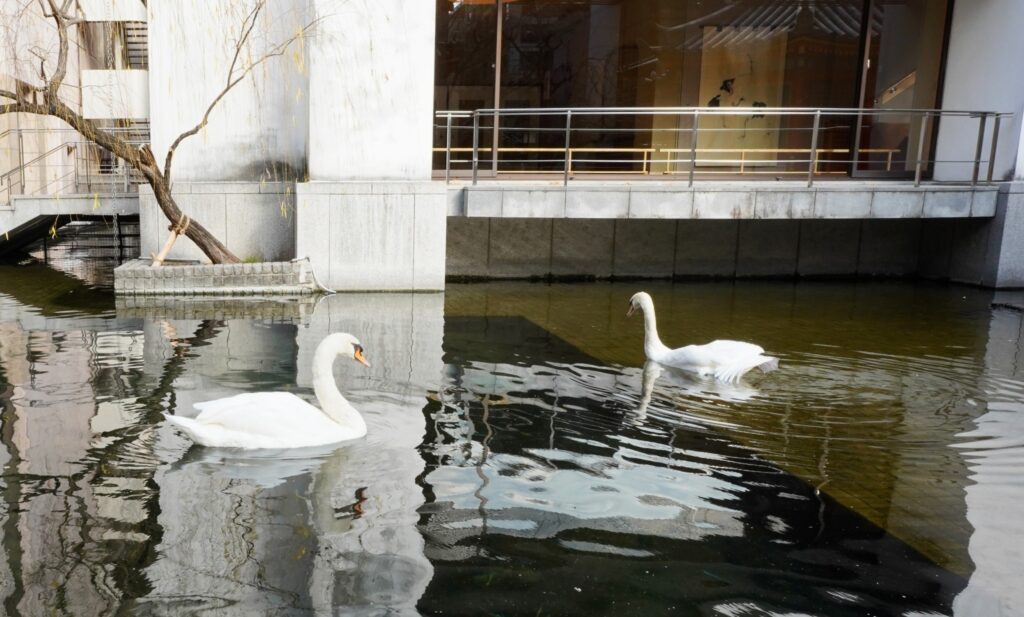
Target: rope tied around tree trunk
{"points": [[181, 226]]}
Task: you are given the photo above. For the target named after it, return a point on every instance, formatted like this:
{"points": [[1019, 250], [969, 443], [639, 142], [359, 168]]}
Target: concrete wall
{"points": [[519, 248], [373, 236], [113, 10], [722, 200], [255, 220], [115, 95], [958, 249], [371, 95], [983, 72], [258, 131], [1006, 243]]}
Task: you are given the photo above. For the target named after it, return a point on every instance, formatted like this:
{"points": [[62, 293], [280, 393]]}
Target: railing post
{"points": [[992, 152], [814, 149], [568, 141], [448, 149], [495, 140], [920, 149], [977, 151], [693, 145], [21, 162], [476, 144]]}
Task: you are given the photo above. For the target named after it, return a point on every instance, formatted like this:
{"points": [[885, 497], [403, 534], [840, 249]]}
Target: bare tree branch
{"points": [[232, 80], [140, 159], [62, 54], [247, 25]]}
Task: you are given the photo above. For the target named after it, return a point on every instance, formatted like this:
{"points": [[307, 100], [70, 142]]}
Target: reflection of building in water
{"points": [[68, 505], [543, 490], [379, 561], [333, 529], [994, 454]]}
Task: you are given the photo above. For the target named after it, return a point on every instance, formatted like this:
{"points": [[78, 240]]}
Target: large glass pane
{"points": [[463, 71], [904, 56], [670, 53]]}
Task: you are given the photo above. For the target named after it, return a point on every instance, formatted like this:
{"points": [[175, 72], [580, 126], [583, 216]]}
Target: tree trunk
{"points": [[194, 231]]}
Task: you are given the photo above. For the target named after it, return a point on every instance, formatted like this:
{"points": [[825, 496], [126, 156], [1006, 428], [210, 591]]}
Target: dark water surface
{"points": [[521, 459]]}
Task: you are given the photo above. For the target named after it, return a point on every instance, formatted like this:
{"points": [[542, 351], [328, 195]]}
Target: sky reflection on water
{"points": [[520, 456]]}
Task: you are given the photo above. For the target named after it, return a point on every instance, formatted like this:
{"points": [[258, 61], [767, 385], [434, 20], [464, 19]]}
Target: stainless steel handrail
{"points": [[813, 161]]}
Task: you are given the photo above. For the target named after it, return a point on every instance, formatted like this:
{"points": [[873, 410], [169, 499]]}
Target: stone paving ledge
{"points": [[138, 277]]}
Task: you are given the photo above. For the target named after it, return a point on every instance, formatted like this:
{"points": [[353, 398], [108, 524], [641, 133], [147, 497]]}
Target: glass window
{"points": [[902, 71], [676, 53]]}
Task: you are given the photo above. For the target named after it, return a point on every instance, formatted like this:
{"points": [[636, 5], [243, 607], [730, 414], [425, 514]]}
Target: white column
{"points": [[371, 90], [982, 73], [370, 218], [261, 124]]}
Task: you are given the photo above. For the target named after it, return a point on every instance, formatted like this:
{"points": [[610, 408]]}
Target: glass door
{"points": [[901, 71]]}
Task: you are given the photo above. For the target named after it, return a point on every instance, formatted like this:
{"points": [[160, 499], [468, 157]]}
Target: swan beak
{"points": [[632, 309], [360, 358]]}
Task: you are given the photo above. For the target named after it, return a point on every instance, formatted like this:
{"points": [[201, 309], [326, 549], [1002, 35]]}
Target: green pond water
{"points": [[521, 459]]}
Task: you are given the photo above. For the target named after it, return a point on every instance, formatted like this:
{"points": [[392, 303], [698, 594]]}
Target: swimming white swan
{"points": [[279, 419], [726, 360]]}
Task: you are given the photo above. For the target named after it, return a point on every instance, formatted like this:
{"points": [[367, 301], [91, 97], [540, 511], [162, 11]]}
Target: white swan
{"points": [[726, 360], [279, 419]]}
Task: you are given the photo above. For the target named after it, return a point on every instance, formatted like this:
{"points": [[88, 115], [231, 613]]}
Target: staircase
{"points": [[136, 40]]}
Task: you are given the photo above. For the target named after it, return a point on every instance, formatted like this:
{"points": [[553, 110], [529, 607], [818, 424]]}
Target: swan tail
{"points": [[770, 364], [195, 431], [733, 372]]}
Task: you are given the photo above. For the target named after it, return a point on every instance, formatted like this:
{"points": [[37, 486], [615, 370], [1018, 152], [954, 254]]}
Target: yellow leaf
{"points": [[95, 201]]}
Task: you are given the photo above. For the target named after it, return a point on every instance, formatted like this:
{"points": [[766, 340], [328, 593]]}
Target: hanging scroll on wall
{"points": [[741, 67]]}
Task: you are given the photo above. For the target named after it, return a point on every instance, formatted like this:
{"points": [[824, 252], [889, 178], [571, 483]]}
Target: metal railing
{"points": [[707, 141], [73, 166]]}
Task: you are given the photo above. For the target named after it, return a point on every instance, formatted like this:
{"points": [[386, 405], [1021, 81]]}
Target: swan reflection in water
{"points": [[689, 385], [307, 528]]}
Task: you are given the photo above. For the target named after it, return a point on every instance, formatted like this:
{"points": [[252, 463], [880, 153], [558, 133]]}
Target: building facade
{"points": [[403, 142]]}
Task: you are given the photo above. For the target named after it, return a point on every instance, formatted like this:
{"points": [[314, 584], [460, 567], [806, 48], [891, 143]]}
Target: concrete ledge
{"points": [[851, 199], [138, 277]]}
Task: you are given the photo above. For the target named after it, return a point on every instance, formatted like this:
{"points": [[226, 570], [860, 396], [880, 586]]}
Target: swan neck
{"points": [[651, 339], [332, 403]]}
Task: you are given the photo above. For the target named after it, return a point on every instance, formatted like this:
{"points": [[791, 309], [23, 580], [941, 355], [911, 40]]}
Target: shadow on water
{"points": [[553, 511]]}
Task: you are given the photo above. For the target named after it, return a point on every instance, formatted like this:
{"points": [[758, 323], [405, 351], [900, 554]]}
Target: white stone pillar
{"points": [[370, 218], [982, 74], [371, 91], [237, 175], [261, 124]]}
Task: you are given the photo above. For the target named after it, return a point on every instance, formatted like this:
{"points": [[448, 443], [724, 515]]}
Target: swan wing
{"points": [[726, 360], [261, 420]]}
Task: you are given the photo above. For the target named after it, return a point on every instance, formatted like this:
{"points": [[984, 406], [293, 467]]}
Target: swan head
{"points": [[347, 345], [640, 301]]}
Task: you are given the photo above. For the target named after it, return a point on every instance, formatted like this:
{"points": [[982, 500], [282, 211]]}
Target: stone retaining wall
{"points": [[278, 277]]}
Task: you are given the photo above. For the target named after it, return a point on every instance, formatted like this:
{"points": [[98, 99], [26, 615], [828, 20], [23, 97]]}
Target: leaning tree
{"points": [[42, 98]]}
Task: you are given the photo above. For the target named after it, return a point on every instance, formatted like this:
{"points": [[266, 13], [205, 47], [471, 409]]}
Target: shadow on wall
{"points": [[483, 248]]}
